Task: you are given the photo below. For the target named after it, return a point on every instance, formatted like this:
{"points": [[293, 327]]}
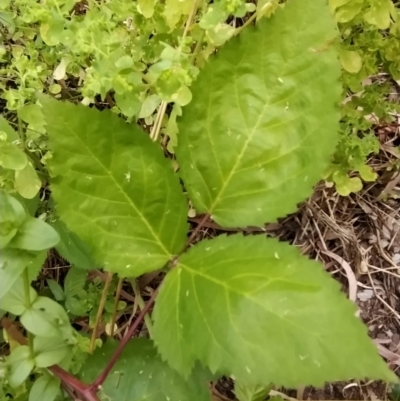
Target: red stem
{"points": [[122, 344]]}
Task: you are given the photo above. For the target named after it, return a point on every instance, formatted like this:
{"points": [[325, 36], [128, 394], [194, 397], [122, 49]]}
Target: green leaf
{"points": [[20, 363], [172, 128], [72, 248], [27, 182], [351, 60], [12, 263], [128, 102], [46, 388], [11, 156], [35, 235], [149, 106], [379, 13], [74, 281], [344, 184], [6, 127], [348, 11], [140, 374], [146, 7], [252, 392], [367, 173], [36, 265], [51, 32], [56, 290], [49, 351], [255, 308], [32, 114], [261, 127], [174, 9], [15, 301], [46, 318], [119, 194], [31, 205], [12, 215]]}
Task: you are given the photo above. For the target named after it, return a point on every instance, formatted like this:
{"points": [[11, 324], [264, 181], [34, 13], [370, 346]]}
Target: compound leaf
{"points": [[114, 189], [140, 374], [255, 308], [264, 119]]}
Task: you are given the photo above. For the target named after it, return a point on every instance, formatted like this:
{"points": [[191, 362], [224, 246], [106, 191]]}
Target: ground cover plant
{"points": [[247, 132]]}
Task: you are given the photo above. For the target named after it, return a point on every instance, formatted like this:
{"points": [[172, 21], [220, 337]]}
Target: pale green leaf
{"points": [[74, 281], [114, 189], [16, 301], [344, 184], [124, 63], [379, 13], [20, 363], [351, 60], [220, 34], [56, 290], [45, 388], [367, 173], [251, 392], [46, 318], [51, 32], [172, 128], [31, 205], [12, 263], [142, 375], [128, 102], [35, 235], [174, 9], [334, 4], [72, 248], [36, 265], [149, 106], [214, 16], [6, 127], [255, 308], [27, 182], [11, 156], [261, 127], [31, 114], [146, 7], [12, 215], [348, 11], [49, 351], [265, 8]]}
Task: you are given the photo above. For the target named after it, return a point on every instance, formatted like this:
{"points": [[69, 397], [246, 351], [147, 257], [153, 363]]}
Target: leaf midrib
{"points": [[248, 296], [111, 176]]}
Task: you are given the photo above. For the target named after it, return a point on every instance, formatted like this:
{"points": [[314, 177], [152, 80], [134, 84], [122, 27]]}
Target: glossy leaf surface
{"points": [[140, 374], [255, 308], [263, 121], [114, 189]]}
